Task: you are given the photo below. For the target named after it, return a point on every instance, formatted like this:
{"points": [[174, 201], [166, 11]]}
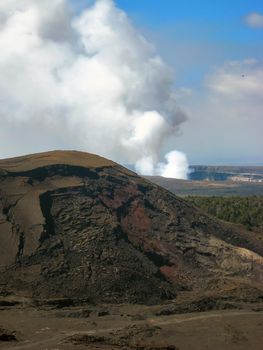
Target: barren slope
{"points": [[74, 225]]}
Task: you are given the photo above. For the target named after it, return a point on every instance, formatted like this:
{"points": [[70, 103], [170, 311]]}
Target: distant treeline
{"points": [[247, 211]]}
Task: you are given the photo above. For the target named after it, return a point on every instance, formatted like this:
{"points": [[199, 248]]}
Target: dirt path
{"points": [[55, 341], [203, 316]]}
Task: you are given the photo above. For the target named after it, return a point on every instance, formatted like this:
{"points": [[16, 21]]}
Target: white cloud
{"points": [[88, 82], [225, 117], [176, 166], [238, 80], [254, 20]]}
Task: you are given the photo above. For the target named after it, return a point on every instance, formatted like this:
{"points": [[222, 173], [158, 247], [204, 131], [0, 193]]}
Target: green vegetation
{"points": [[247, 211]]}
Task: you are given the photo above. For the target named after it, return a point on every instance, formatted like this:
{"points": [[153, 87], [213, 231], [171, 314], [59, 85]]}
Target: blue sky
{"points": [[204, 33], [196, 38], [158, 11], [209, 45], [204, 99]]}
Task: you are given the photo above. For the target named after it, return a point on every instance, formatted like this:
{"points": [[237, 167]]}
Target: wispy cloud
{"points": [[225, 117], [238, 80], [254, 20]]}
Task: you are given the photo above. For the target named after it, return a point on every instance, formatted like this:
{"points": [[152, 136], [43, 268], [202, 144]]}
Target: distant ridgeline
{"points": [[224, 173]]}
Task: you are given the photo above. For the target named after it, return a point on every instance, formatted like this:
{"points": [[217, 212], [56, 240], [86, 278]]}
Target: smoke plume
{"points": [[88, 81]]}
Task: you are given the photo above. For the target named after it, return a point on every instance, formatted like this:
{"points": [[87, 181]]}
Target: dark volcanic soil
{"points": [[79, 228], [130, 327]]}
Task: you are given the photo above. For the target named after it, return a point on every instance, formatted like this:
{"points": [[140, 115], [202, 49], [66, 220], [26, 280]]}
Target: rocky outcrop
{"points": [[7, 336], [74, 225]]}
